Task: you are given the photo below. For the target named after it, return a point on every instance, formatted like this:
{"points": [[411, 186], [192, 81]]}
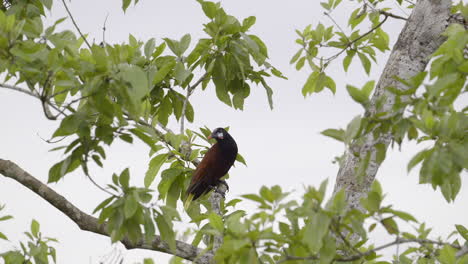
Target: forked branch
{"points": [[89, 223]]}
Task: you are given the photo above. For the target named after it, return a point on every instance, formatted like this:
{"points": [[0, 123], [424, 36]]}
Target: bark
{"points": [[89, 223], [420, 37]]}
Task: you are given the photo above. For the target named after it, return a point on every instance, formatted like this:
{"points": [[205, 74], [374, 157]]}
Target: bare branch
{"points": [[19, 89], [190, 90], [89, 223], [215, 199], [357, 39], [76, 25]]}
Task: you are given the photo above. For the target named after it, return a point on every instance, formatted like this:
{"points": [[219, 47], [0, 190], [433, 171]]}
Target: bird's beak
{"points": [[210, 137]]}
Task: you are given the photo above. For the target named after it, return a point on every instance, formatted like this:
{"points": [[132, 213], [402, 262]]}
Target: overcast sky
{"points": [[282, 146]]}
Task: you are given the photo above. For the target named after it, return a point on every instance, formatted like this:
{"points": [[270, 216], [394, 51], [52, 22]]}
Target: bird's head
{"points": [[218, 134]]}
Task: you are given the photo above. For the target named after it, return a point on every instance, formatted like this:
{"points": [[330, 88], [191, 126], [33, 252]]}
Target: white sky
{"points": [[282, 146]]}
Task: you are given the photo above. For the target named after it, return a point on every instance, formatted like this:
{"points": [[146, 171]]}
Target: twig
{"points": [[74, 23], [334, 22], [104, 31], [100, 187], [190, 90], [19, 89], [392, 15], [357, 39]]}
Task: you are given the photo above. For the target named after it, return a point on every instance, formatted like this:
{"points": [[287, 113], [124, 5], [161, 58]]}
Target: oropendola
{"points": [[214, 165]]}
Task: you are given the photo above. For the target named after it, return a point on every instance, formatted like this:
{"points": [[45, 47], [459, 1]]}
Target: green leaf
{"points": [[248, 22], [462, 231], [300, 63], [35, 228], [347, 60], [130, 206], [367, 88], [6, 217], [296, 56], [390, 225], [357, 95], [125, 4], [269, 93], [124, 178], [149, 47], [365, 62], [166, 231], [137, 79], [153, 169], [47, 4], [352, 129], [418, 158], [219, 80], [216, 222], [209, 8], [309, 86], [315, 230], [240, 159], [404, 216], [330, 84], [184, 43], [68, 126], [103, 204], [163, 71], [337, 134], [447, 255], [180, 73], [2, 236]]}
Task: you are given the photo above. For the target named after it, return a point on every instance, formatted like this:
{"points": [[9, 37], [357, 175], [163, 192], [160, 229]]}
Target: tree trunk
{"points": [[420, 37]]}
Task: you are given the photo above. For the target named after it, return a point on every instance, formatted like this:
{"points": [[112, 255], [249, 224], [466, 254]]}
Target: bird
{"points": [[214, 165]]}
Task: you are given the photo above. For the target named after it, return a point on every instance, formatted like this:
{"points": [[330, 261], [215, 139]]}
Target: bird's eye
{"points": [[220, 135]]}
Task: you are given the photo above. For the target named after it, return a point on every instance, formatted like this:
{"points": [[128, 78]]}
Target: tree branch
{"points": [[19, 89], [190, 90], [215, 199], [76, 25], [89, 223]]}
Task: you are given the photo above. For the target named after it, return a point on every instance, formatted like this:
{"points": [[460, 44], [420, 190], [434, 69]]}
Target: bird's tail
{"points": [[188, 200]]}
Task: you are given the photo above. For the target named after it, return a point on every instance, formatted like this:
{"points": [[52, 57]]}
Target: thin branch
{"points": [[190, 90], [19, 89], [74, 23], [383, 12], [104, 31], [89, 223], [334, 22], [357, 39]]}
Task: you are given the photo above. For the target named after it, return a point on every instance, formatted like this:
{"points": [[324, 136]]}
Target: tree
{"points": [[102, 93]]}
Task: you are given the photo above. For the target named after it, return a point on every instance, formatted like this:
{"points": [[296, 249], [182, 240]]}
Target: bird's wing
{"points": [[207, 166]]}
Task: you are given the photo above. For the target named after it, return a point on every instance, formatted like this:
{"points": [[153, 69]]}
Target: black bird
{"points": [[214, 165]]}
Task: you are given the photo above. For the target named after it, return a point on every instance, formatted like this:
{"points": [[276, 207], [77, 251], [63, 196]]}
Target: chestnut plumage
{"points": [[214, 165]]}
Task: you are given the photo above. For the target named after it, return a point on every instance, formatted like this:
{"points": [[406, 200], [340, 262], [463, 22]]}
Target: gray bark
{"points": [[420, 37]]}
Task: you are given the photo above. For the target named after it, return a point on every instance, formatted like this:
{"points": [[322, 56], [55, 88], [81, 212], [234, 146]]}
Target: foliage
{"points": [[283, 229], [102, 93], [422, 112], [36, 251]]}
